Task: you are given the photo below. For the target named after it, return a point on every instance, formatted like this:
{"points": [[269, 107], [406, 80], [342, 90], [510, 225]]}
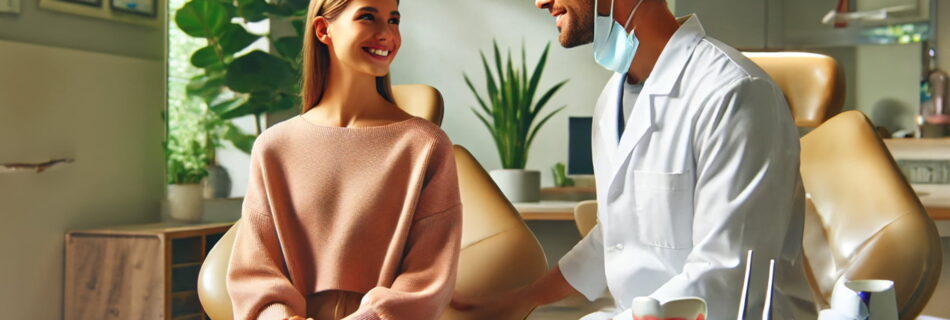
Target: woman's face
{"points": [[365, 36]]}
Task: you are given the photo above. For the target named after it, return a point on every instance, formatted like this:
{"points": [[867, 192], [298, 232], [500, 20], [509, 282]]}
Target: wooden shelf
{"points": [[152, 269]]}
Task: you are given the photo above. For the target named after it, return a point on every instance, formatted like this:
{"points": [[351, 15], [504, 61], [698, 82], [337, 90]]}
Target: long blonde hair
{"points": [[316, 57]]}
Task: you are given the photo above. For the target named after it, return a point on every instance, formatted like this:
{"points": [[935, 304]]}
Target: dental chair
{"points": [[498, 251], [813, 83], [862, 219]]}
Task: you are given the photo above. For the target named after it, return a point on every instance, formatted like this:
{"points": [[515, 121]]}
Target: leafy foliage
{"points": [[235, 81], [509, 109]]}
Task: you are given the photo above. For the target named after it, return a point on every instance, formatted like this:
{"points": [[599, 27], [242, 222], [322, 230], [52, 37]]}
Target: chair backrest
{"points": [[812, 83], [499, 252], [585, 216], [863, 220]]}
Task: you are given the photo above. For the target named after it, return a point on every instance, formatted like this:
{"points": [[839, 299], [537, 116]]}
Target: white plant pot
{"points": [[185, 202], [518, 185]]}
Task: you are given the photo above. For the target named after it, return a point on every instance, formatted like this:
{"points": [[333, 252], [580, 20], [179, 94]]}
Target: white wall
{"points": [[102, 110], [58, 29], [888, 80], [441, 39]]}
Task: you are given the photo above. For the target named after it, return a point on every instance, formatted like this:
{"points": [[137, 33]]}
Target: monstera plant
{"points": [[237, 82], [513, 117]]}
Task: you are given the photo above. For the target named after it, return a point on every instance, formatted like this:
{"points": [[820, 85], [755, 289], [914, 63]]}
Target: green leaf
{"points": [[475, 92], [241, 141], [541, 124], [547, 96], [538, 69], [202, 18], [204, 57], [298, 27], [289, 47], [284, 102], [252, 10], [259, 71], [490, 84], [299, 4], [205, 87], [235, 38], [228, 106], [243, 109]]}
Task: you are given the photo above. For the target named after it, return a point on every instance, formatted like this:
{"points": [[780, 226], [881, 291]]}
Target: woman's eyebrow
{"points": [[374, 10], [370, 9]]}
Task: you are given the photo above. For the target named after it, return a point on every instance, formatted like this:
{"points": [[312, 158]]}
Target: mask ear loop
{"points": [[630, 18]]}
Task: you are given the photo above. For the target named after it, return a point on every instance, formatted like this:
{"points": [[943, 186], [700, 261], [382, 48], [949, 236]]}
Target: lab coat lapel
{"points": [[663, 82], [638, 125]]}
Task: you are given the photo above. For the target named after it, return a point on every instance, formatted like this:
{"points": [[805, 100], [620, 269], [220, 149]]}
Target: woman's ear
{"points": [[321, 28]]}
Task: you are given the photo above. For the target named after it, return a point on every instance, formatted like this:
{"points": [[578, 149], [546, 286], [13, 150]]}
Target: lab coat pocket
{"points": [[664, 209]]}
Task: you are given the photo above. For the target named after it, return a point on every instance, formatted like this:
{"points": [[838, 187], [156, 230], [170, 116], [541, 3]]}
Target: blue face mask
{"points": [[613, 47]]}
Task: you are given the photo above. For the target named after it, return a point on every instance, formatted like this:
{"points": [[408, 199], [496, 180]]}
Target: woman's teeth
{"points": [[378, 52]]}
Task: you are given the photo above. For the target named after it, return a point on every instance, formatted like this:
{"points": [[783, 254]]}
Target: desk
{"points": [[938, 208], [547, 210]]}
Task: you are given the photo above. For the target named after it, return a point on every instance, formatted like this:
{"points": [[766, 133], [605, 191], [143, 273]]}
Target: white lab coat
{"points": [[706, 169]]}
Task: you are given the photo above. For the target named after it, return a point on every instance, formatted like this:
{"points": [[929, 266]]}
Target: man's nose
{"points": [[543, 4]]}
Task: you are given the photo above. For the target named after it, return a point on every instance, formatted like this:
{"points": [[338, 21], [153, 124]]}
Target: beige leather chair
{"points": [[863, 220], [585, 216], [813, 83], [498, 252]]}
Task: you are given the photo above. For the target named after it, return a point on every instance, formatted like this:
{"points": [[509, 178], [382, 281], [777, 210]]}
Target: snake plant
{"points": [[509, 110]]}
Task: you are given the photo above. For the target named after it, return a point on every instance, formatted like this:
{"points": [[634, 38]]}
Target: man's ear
{"points": [[321, 28]]}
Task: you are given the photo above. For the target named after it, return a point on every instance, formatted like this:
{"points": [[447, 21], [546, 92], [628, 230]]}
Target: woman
{"points": [[352, 209]]}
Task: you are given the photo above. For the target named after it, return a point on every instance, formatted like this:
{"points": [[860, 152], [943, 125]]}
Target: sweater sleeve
{"points": [[257, 274], [426, 277]]}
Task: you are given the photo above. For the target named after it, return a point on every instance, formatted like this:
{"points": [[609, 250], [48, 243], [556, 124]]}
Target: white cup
{"points": [[862, 299], [690, 308]]}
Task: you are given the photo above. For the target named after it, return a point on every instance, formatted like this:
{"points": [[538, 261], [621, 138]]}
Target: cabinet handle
{"points": [[38, 167]]}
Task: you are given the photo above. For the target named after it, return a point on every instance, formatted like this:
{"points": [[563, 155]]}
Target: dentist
{"points": [[696, 161]]}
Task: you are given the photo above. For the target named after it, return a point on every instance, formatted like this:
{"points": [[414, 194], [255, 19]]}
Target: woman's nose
{"points": [[385, 32], [543, 4]]}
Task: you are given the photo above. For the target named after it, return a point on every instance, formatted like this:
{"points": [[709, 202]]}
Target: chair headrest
{"points": [[420, 100], [813, 84]]}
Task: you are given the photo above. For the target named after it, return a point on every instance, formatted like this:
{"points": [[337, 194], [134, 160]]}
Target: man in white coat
{"points": [[696, 160]]}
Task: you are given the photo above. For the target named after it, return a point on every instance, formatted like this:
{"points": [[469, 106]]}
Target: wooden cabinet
{"points": [[137, 272]]}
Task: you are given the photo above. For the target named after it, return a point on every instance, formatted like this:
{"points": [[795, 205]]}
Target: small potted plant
{"points": [[513, 117], [186, 160]]}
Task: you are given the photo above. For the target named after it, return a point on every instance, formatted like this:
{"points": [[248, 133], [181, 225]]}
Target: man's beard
{"points": [[581, 31]]}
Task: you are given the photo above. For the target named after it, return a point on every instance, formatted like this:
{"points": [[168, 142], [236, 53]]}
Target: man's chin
{"points": [[570, 41]]}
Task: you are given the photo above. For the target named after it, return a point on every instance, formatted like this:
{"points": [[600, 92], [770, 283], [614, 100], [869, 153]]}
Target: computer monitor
{"points": [[579, 159]]}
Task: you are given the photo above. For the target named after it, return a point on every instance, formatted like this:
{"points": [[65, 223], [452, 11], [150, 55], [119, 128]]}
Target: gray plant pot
{"points": [[518, 185], [218, 183]]}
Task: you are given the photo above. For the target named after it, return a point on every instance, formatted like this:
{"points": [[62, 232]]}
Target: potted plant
{"points": [[186, 160], [229, 79], [513, 117]]}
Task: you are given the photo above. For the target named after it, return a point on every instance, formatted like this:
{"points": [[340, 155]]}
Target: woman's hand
{"points": [[297, 318]]}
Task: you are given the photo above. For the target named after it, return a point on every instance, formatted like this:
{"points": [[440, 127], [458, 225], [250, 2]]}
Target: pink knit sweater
{"points": [[371, 210]]}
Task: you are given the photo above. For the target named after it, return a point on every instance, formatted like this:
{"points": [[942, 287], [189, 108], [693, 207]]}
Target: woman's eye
{"points": [[394, 21], [366, 17]]}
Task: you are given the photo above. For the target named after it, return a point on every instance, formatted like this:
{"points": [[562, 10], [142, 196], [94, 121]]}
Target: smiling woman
{"points": [[352, 209]]}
